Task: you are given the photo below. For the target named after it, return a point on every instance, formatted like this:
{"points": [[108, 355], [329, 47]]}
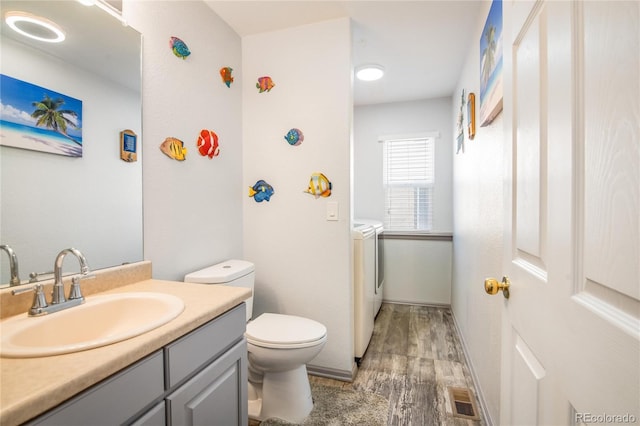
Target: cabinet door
{"points": [[217, 396]]}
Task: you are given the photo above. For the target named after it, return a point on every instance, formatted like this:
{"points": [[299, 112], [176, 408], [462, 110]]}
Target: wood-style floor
{"points": [[412, 359]]}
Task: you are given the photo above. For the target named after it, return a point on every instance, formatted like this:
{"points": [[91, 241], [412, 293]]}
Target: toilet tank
{"points": [[234, 272]]}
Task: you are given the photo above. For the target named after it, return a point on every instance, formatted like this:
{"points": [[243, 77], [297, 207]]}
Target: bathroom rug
{"points": [[334, 406]]}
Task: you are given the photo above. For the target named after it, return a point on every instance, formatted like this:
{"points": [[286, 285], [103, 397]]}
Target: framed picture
{"points": [[128, 146], [39, 119], [491, 65], [471, 116]]}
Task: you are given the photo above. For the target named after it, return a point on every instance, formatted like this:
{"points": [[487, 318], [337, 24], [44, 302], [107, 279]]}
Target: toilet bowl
{"points": [[279, 347]]}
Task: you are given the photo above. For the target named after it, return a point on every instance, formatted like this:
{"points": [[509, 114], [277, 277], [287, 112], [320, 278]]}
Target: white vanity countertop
{"points": [[31, 386]]}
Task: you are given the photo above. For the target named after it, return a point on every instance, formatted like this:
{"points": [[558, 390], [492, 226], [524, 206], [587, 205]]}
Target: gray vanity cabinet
{"points": [[201, 378]]}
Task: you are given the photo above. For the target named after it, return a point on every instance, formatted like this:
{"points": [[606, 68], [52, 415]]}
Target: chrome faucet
{"points": [[58, 299], [58, 287], [13, 265]]}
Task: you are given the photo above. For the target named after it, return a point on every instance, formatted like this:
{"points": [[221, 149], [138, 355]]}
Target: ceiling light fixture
{"points": [[34, 27], [369, 72]]}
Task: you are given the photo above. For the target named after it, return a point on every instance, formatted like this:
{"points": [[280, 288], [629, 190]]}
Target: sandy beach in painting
{"points": [[493, 105], [25, 139]]}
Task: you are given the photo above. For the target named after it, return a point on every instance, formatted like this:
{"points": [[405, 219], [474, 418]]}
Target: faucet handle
{"points": [[39, 299], [75, 292]]}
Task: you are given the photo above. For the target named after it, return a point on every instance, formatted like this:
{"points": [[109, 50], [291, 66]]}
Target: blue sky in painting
{"points": [[16, 98], [495, 19]]}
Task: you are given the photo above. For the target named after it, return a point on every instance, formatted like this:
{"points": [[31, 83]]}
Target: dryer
{"points": [[364, 258]]}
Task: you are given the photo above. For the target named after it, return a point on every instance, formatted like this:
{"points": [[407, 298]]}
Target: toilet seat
{"points": [[279, 331]]}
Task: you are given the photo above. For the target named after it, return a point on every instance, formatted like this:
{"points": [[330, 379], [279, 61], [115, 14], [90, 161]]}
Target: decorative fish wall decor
{"points": [[179, 47], [294, 137], [265, 84], [261, 191], [225, 74], [208, 143], [319, 185], [174, 148]]}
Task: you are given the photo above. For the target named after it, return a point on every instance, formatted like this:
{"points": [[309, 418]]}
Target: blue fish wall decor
{"points": [[261, 191], [179, 47], [294, 137]]}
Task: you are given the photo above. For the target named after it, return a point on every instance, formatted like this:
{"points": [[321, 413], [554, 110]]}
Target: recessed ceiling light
{"points": [[34, 27], [370, 72]]}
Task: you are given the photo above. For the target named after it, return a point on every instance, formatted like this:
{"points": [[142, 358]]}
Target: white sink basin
{"points": [[100, 321]]}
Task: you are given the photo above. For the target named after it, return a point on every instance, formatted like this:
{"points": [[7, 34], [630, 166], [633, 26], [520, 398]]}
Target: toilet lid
{"points": [[283, 330]]}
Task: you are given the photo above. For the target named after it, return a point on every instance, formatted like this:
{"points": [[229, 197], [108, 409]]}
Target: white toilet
{"points": [[279, 347]]}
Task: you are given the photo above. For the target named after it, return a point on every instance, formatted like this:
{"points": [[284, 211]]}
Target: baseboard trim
{"points": [[331, 373], [408, 302], [465, 350]]}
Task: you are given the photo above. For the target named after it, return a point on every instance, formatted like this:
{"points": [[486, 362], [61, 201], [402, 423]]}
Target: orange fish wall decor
{"points": [[225, 74], [265, 84]]}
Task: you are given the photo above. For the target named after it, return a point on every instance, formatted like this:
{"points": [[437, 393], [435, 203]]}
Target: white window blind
{"points": [[408, 177]]}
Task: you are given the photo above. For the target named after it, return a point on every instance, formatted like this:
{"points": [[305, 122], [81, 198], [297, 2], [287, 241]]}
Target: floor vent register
{"points": [[463, 403]]}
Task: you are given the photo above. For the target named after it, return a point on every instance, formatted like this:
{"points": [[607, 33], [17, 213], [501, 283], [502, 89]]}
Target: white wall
{"points": [[477, 244], [416, 271], [52, 202], [303, 261], [372, 121], [192, 209]]}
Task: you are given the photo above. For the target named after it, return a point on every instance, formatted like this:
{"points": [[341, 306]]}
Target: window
{"points": [[408, 178]]}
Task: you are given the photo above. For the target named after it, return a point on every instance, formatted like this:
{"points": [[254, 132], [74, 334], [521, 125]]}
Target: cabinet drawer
{"points": [[154, 417], [114, 400], [189, 353]]}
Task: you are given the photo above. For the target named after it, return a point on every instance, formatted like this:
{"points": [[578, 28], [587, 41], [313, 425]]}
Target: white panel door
{"points": [[571, 336]]}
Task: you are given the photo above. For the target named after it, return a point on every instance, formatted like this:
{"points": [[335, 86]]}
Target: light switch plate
{"points": [[332, 210]]}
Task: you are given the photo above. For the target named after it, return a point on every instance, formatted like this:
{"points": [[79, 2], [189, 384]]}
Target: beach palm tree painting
{"points": [[39, 119], [491, 65]]}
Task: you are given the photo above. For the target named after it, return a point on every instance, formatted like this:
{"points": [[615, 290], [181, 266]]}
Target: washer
{"points": [[378, 226], [364, 258]]}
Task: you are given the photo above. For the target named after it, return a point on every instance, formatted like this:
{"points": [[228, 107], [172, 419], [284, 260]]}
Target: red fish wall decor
{"points": [[208, 143]]}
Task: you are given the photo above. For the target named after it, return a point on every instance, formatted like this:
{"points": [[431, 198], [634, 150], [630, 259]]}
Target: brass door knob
{"points": [[492, 286]]}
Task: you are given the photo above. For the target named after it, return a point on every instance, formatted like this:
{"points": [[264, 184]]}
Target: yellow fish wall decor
{"points": [[319, 186], [174, 148]]}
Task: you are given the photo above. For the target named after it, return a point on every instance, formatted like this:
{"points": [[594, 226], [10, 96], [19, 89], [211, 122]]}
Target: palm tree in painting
{"points": [[49, 115], [489, 54]]}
